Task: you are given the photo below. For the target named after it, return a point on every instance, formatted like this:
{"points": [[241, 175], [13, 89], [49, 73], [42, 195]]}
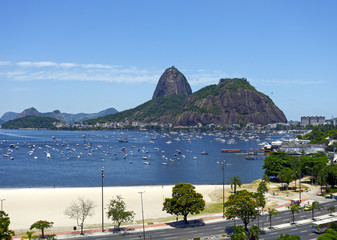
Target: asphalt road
{"points": [[282, 223]]}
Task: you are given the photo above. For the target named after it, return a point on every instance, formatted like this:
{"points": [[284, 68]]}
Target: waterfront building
{"points": [[317, 120]]}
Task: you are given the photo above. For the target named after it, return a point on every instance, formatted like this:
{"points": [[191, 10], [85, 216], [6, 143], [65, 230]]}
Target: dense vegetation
{"points": [[31, 122], [149, 111], [319, 134], [322, 134], [290, 168]]}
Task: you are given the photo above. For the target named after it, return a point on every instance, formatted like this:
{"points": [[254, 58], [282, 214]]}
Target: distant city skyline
{"points": [[87, 56]]}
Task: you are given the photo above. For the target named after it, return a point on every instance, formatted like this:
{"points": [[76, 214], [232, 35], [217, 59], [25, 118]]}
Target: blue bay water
{"points": [[76, 158]]}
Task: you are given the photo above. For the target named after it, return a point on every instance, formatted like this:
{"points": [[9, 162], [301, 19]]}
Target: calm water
{"points": [[76, 158]]}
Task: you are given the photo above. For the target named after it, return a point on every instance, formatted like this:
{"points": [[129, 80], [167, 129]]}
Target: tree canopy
{"points": [[5, 232], [117, 211], [244, 205], [185, 200], [41, 225]]}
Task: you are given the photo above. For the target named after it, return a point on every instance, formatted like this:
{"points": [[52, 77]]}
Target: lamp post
{"points": [[299, 163], [141, 197], [102, 174], [2, 199], [223, 189]]}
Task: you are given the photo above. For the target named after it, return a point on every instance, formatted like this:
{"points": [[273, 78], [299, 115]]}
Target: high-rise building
{"points": [[312, 120]]}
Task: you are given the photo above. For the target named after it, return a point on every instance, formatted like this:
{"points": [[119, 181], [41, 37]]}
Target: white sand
{"points": [[25, 206]]}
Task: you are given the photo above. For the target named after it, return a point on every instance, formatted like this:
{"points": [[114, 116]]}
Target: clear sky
{"points": [[86, 56]]}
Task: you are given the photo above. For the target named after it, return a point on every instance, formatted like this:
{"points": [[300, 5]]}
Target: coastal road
{"points": [[213, 230]]}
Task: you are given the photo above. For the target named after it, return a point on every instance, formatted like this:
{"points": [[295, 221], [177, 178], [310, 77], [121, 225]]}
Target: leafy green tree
{"points": [[286, 175], [288, 237], [294, 208], [331, 210], [239, 233], [185, 200], [5, 232], [117, 211], [41, 225], [30, 236], [329, 234], [275, 162], [330, 172], [244, 205], [272, 212], [235, 182], [80, 210], [315, 205]]}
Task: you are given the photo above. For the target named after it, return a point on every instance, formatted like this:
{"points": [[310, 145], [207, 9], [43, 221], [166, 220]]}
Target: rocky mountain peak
{"points": [[28, 112], [172, 82]]}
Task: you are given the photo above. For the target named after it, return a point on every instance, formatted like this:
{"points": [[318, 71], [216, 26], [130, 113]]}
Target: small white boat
{"points": [[164, 163], [147, 163]]}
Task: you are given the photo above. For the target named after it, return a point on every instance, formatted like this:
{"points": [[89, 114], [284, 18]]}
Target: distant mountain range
{"points": [[63, 117]]}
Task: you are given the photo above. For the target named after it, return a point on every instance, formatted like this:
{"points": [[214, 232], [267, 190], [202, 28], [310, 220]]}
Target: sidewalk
{"points": [[149, 227]]}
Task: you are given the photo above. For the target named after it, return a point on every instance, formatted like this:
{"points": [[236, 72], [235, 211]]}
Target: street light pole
{"points": [[299, 162], [2, 199], [223, 189], [102, 173], [141, 197]]}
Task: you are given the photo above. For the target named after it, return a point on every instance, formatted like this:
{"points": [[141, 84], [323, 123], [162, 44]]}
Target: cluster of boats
{"points": [[122, 145]]}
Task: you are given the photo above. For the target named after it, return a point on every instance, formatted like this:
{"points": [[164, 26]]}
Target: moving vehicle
{"points": [[307, 207], [321, 225]]}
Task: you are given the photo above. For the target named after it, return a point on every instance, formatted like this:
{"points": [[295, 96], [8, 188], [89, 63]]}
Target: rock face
{"points": [[172, 82], [28, 112], [231, 101]]}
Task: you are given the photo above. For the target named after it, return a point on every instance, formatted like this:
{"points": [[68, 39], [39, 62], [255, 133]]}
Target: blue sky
{"points": [[86, 56]]}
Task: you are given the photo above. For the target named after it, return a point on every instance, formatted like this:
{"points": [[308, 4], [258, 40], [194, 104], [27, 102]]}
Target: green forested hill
{"points": [[153, 110], [30, 122]]}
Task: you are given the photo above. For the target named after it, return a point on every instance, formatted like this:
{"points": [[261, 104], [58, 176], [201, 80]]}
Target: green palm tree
{"points": [[315, 205], [294, 208], [235, 181], [331, 209], [239, 233], [254, 233], [262, 188], [30, 236], [272, 212]]}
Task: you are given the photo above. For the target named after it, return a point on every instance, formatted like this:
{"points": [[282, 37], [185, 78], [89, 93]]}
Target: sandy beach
{"points": [[25, 206]]}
